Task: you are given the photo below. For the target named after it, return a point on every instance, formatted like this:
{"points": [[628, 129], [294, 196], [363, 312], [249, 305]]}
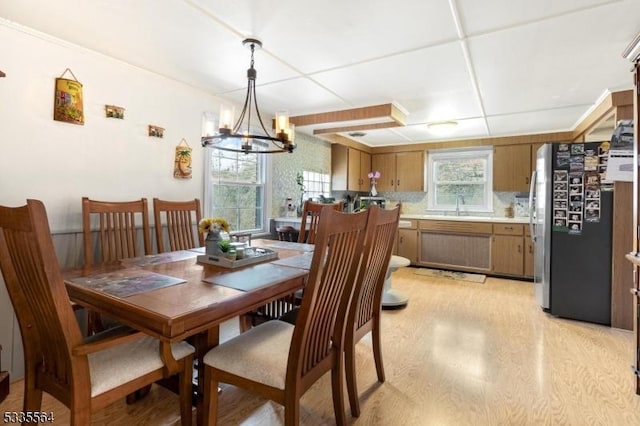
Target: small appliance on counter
{"points": [[365, 202]]}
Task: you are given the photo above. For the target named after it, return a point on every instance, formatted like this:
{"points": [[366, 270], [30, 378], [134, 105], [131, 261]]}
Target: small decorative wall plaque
{"points": [[67, 105], [155, 131], [182, 163], [112, 111]]}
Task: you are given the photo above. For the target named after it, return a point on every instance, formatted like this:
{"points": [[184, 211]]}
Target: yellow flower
{"points": [[213, 223]]}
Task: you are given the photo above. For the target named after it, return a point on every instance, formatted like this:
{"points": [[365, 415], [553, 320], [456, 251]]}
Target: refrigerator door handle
{"points": [[532, 207]]}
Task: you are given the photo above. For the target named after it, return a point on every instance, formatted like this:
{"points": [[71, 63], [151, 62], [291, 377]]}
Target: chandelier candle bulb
{"points": [[227, 114], [282, 122]]}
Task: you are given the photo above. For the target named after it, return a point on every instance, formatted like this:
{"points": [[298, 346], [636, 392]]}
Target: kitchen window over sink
{"points": [[460, 179]]}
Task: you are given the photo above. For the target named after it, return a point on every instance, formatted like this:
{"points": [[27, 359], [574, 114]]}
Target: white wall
{"points": [[106, 159]]}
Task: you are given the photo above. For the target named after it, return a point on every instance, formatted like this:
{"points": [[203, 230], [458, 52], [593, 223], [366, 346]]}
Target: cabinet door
{"points": [[528, 257], [386, 165], [365, 168], [354, 180], [511, 168], [408, 244], [339, 167], [409, 171], [507, 254]]}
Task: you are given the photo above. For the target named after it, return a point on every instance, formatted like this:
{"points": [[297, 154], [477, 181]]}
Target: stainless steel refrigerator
{"points": [[571, 225]]}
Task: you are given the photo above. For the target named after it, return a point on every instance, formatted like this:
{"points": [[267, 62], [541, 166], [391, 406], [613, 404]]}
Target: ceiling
{"points": [[496, 67]]}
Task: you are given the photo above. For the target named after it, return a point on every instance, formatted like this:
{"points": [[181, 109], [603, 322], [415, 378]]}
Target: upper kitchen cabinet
{"points": [[511, 168], [349, 168], [400, 171]]}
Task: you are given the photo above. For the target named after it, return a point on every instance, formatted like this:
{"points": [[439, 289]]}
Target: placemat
{"points": [[289, 245], [302, 261], [127, 282], [256, 276], [157, 259]]}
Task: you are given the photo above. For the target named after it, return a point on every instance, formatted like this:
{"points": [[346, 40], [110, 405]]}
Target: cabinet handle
{"points": [[509, 228], [391, 184], [398, 182], [530, 249], [526, 180], [519, 248], [401, 240]]}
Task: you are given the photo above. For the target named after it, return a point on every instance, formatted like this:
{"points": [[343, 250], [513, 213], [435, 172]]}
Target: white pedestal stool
{"points": [[392, 298]]}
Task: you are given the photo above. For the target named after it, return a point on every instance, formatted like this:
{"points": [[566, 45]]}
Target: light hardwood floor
{"points": [[460, 354]]}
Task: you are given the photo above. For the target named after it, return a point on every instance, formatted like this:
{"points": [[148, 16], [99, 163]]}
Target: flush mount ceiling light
{"points": [[357, 134], [240, 138], [442, 128]]}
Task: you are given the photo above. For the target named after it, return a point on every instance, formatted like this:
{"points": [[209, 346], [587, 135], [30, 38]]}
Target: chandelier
{"points": [[240, 138]]}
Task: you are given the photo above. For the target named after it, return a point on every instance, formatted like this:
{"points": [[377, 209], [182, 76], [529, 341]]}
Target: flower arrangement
{"points": [[209, 224], [374, 176]]}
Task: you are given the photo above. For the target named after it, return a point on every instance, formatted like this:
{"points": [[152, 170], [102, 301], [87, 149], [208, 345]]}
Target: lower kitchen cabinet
{"points": [[528, 257], [507, 255], [503, 248], [507, 249], [408, 244]]}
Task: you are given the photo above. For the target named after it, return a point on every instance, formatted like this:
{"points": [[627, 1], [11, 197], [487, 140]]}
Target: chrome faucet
{"points": [[459, 200]]}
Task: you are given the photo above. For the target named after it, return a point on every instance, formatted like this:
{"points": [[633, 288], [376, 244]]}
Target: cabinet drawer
{"points": [[408, 224], [506, 229], [456, 227]]}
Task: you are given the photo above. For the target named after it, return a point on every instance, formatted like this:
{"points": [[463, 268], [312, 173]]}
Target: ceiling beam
{"points": [[372, 126], [389, 111]]}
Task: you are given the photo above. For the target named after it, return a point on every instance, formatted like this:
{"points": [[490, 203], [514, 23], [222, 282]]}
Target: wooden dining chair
{"points": [[116, 223], [280, 361], [310, 219], [182, 219], [83, 376], [365, 308], [307, 234], [117, 234], [287, 233]]}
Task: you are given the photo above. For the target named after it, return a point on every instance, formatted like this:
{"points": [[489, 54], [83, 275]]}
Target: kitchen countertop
{"points": [[491, 219], [523, 219]]}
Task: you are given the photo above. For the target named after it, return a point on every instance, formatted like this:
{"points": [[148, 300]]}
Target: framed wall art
{"points": [[67, 105]]}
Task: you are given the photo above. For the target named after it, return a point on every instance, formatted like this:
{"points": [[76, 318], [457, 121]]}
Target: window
{"points": [[461, 176], [315, 184], [235, 188]]}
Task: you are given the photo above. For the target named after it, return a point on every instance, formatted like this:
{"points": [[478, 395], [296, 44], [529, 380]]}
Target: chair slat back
{"points": [[31, 273], [310, 220], [380, 235], [181, 218], [117, 228], [319, 328]]}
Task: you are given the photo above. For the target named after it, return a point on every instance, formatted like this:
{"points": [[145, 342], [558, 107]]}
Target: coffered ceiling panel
{"points": [[552, 63], [431, 83], [322, 35], [497, 67]]}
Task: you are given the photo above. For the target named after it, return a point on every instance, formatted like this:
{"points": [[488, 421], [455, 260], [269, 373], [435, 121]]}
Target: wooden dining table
{"points": [[173, 297]]}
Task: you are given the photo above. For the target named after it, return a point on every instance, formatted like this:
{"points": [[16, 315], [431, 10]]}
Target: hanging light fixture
{"points": [[240, 138]]}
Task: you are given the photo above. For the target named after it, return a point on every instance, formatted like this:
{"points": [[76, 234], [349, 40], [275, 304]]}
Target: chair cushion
{"points": [[120, 364], [260, 354]]}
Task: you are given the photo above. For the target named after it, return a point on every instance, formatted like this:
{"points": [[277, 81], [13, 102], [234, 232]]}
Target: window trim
{"points": [[433, 156], [265, 173]]}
